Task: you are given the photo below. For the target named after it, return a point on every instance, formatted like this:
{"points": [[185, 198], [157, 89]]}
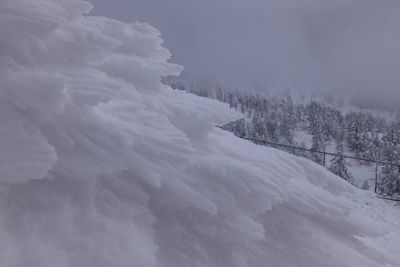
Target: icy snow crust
{"points": [[101, 165]]}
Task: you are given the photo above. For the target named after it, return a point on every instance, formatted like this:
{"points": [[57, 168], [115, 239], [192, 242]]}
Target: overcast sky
{"points": [[346, 45]]}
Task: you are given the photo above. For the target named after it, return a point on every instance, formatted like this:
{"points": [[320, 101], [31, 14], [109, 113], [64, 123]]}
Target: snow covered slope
{"points": [[102, 165]]}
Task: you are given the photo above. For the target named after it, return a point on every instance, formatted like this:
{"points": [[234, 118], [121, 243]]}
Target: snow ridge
{"points": [[102, 165]]}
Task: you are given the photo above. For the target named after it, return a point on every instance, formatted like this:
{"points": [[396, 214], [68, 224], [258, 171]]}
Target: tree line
{"points": [[277, 119]]}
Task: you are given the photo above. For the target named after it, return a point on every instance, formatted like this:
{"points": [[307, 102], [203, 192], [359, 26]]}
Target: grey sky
{"points": [[342, 44]]}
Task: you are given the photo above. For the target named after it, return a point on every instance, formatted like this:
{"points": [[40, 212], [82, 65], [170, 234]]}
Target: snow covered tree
{"points": [[317, 145], [338, 164], [390, 175], [238, 127], [314, 118], [257, 128], [287, 121], [390, 180]]}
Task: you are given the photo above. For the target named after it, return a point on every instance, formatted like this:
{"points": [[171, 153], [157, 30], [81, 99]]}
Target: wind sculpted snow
{"points": [[102, 165]]}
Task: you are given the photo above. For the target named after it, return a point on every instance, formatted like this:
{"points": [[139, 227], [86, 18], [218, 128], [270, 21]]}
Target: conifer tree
{"points": [[317, 145], [338, 164], [390, 175]]}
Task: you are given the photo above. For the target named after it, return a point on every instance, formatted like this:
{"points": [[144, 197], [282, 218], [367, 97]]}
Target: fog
{"points": [[343, 45]]}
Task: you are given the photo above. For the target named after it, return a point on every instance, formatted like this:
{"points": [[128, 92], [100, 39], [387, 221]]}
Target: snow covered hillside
{"points": [[102, 165]]}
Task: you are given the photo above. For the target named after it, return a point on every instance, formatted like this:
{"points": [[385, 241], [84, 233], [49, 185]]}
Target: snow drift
{"points": [[102, 165]]}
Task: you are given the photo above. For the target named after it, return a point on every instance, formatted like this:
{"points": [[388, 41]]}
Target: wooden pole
{"points": [[376, 176]]}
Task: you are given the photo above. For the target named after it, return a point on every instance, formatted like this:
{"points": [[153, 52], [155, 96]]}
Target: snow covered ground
{"points": [[102, 165], [361, 173]]}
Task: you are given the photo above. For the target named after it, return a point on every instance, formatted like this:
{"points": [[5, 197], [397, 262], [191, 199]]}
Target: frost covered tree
{"points": [[317, 145], [390, 175], [338, 164], [287, 120], [314, 118], [238, 127], [357, 135], [390, 180]]}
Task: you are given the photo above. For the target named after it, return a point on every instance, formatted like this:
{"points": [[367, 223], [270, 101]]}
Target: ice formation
{"points": [[101, 165]]}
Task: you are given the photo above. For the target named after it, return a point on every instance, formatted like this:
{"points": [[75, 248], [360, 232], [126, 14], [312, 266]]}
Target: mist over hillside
{"points": [[346, 102], [344, 46]]}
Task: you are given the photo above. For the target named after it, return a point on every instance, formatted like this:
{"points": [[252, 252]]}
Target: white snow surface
{"points": [[101, 165]]}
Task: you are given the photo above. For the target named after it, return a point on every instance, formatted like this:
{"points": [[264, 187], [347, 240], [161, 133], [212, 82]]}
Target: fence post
{"points": [[376, 177]]}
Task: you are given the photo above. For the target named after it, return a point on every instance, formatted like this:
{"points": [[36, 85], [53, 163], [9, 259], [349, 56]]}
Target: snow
{"points": [[302, 137], [360, 172], [102, 165]]}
